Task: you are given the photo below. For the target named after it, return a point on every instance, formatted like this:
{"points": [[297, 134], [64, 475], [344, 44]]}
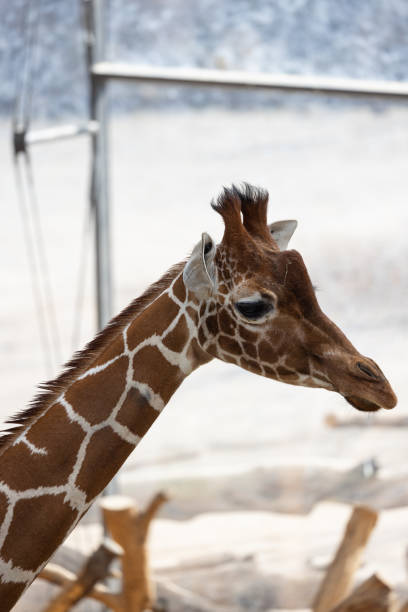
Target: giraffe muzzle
{"points": [[359, 380], [372, 389]]}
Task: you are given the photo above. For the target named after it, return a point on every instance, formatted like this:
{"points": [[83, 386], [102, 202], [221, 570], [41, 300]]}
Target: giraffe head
{"points": [[258, 308]]}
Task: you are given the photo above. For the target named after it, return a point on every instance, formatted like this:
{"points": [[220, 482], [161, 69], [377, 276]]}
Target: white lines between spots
{"points": [[154, 399], [10, 573], [99, 368], [6, 522], [76, 498], [73, 416], [125, 433], [35, 450]]}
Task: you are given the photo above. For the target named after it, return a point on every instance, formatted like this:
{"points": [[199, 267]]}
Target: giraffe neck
{"points": [[53, 470]]}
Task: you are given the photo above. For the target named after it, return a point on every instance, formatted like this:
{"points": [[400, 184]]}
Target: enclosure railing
{"points": [[250, 80]]}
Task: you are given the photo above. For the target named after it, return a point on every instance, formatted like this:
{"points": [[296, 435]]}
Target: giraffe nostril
{"points": [[366, 370]]}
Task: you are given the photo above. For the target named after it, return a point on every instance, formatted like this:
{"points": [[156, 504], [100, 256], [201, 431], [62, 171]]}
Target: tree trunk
{"points": [[339, 577]]}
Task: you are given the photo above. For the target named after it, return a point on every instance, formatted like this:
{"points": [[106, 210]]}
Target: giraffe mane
{"points": [[81, 361]]}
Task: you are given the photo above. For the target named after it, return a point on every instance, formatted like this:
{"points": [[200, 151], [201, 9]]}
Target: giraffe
{"points": [[248, 301]]}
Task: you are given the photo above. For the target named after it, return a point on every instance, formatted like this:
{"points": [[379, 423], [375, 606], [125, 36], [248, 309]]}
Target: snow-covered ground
{"points": [[343, 175]]}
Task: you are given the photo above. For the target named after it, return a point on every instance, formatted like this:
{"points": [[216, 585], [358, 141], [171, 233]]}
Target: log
{"points": [[95, 569], [373, 595], [338, 580], [333, 420], [62, 577], [129, 528]]}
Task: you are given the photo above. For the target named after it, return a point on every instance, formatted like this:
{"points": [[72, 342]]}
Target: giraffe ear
{"points": [[282, 232], [199, 271]]}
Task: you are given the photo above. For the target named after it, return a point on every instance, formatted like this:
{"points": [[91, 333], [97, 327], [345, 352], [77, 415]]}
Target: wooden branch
{"points": [[333, 420], [129, 528], [95, 568], [62, 577], [152, 509], [373, 595], [338, 580]]}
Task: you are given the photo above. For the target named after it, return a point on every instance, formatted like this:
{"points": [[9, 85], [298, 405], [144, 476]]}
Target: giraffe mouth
{"points": [[362, 404]]}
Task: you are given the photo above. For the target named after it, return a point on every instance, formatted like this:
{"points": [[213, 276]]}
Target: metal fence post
{"points": [[99, 190], [100, 179]]}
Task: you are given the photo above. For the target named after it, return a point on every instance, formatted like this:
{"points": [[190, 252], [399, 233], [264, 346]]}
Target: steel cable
{"points": [[43, 262], [33, 268], [26, 193]]}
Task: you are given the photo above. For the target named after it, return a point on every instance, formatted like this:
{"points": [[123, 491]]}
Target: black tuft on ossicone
{"points": [[248, 200], [237, 196]]}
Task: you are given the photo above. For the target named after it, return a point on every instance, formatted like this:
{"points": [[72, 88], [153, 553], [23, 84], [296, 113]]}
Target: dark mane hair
{"points": [[81, 361]]}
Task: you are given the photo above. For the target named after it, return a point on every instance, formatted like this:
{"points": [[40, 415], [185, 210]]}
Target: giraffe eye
{"points": [[254, 309]]}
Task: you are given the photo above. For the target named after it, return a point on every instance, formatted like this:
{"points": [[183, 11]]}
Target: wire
{"points": [[26, 192], [33, 267], [43, 262]]}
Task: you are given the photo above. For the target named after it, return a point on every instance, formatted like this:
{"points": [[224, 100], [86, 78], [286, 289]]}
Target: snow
{"points": [[348, 38]]}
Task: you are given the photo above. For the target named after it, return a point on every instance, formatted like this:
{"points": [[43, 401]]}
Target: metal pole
{"points": [[100, 181], [99, 191], [203, 77]]}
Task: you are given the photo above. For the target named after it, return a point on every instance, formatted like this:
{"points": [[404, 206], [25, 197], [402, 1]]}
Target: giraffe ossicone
{"points": [[248, 301]]}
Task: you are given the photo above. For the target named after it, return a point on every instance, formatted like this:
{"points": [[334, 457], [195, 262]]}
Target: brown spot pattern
{"points": [[136, 413], [108, 451], [32, 537], [270, 372], [10, 592], [250, 349], [178, 337], [267, 352], [60, 438], [163, 378], [95, 396], [226, 322], [247, 334], [230, 345], [212, 324], [250, 365], [212, 349], [196, 353], [179, 289], [288, 375], [112, 350], [147, 324]]}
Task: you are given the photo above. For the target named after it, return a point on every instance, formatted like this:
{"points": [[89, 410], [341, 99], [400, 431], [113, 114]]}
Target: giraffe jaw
{"points": [[362, 404]]}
